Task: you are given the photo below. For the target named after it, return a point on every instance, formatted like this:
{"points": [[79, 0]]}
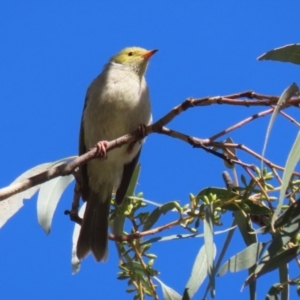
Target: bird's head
{"points": [[135, 58]]}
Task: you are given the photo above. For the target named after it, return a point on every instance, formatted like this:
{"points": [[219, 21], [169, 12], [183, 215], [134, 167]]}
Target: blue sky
{"points": [[51, 51]]}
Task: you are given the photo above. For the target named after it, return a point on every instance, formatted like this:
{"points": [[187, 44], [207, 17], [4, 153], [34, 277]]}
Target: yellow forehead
{"points": [[128, 54]]}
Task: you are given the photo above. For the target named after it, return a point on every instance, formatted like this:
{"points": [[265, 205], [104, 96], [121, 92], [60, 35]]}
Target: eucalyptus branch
{"points": [[138, 234], [158, 127], [240, 124]]}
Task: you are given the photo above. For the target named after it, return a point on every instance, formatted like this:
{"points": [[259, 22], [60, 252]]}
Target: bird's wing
{"points": [[126, 177], [82, 150]]}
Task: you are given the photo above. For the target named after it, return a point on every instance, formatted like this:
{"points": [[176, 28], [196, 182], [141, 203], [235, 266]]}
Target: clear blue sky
{"points": [[51, 50]]}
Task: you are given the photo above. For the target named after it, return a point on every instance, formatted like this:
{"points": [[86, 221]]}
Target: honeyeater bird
{"points": [[117, 102]]}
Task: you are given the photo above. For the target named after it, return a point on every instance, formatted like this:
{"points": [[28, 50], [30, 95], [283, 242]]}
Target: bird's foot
{"points": [[73, 213], [101, 149]]}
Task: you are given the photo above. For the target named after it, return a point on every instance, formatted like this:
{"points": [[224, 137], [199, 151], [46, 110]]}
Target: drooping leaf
{"points": [[285, 96], [290, 165], [250, 237], [49, 195], [75, 262], [117, 224], [11, 205], [133, 181], [222, 253], [284, 277], [245, 227], [198, 274], [287, 53], [168, 293], [242, 260], [209, 246]]}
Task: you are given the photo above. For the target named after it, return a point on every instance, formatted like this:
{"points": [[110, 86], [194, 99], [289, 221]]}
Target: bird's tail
{"points": [[94, 228]]}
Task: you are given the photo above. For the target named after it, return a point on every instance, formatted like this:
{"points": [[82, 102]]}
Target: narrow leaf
{"points": [[168, 293], [157, 212], [287, 53], [75, 262], [209, 246], [243, 260], [289, 216], [284, 277], [273, 263], [245, 227], [198, 275], [285, 96], [11, 205], [117, 224], [49, 195], [290, 165]]}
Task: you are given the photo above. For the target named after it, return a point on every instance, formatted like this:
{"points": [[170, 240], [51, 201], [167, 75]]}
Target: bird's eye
{"points": [[130, 53]]}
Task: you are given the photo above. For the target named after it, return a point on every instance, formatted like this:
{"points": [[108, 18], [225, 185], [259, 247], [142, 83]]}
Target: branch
{"points": [[158, 127], [139, 234]]}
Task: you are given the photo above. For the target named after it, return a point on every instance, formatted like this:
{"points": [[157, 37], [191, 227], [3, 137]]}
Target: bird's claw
{"points": [[101, 149]]}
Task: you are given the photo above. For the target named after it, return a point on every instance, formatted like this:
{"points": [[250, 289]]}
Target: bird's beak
{"points": [[149, 53]]}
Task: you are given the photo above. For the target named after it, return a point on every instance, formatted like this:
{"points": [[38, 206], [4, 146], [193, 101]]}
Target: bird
{"points": [[117, 102]]}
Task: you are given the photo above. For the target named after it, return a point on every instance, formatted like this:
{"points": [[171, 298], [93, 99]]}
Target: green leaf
{"points": [[157, 212], [285, 96], [168, 293], [250, 237], [284, 277], [243, 260], [133, 181], [289, 216], [245, 227], [281, 238], [135, 267], [117, 224], [250, 207], [221, 193], [209, 246], [269, 264], [198, 274], [287, 53], [290, 165]]}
